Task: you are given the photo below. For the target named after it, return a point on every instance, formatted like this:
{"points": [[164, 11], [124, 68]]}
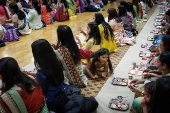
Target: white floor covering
{"points": [[109, 91]]}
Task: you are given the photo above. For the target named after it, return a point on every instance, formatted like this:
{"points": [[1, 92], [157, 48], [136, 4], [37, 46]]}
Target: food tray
{"points": [[120, 81], [119, 104]]}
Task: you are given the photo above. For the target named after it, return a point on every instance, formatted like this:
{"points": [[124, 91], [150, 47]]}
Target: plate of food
{"points": [[119, 104], [120, 81]]}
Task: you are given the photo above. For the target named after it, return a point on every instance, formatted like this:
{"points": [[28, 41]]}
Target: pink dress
{"points": [[3, 14]]}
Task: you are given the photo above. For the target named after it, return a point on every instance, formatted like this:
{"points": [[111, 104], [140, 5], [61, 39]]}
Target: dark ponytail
{"points": [[21, 15], [36, 6]]}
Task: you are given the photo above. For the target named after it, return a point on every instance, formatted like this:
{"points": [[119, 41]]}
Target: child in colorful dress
{"points": [[98, 64], [92, 42]]}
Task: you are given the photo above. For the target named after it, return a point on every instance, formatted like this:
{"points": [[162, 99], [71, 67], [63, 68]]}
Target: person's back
{"points": [[107, 43]]}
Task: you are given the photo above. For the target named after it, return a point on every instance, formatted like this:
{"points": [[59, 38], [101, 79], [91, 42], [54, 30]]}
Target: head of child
{"points": [[148, 91], [112, 13], [163, 62], [93, 32], [164, 43], [101, 56], [121, 10]]}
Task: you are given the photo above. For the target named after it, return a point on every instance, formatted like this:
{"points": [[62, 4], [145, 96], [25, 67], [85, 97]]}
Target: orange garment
{"points": [[33, 101], [45, 16]]}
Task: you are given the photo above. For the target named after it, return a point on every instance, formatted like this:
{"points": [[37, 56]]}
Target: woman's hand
{"points": [[146, 70], [104, 74], [136, 81], [135, 89], [151, 75], [77, 38]]}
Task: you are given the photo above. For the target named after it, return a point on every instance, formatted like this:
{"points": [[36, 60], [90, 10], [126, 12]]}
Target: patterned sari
{"points": [[12, 102], [73, 73]]}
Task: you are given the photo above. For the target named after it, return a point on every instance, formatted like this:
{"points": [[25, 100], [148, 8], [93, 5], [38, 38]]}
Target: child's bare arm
{"points": [[105, 73], [88, 66]]}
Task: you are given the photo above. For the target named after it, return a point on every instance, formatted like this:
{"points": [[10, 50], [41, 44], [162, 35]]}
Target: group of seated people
{"points": [[36, 14], [152, 91], [59, 71]]}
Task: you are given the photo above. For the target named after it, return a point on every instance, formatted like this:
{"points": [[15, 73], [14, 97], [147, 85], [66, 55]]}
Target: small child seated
{"points": [[98, 64]]}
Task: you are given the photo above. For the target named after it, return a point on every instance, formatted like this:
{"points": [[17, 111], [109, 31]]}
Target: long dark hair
{"points": [[129, 7], [45, 57], [96, 55], [164, 58], [122, 11], [36, 6], [99, 19], [166, 42], [66, 38], [21, 15], [112, 13], [159, 102], [45, 2], [94, 33], [12, 75]]}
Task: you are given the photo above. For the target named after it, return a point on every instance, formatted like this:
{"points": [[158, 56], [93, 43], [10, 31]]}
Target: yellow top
{"points": [[109, 44]]}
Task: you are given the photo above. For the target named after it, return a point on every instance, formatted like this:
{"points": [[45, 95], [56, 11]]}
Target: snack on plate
{"points": [[119, 104], [120, 81]]}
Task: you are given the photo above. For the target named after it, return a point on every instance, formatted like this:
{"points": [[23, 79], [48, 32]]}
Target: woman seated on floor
{"points": [[127, 22], [4, 12], [163, 63], [19, 19], [60, 97], [106, 33], [45, 12], [34, 16], [67, 51], [116, 23], [20, 93], [93, 40], [61, 11]]}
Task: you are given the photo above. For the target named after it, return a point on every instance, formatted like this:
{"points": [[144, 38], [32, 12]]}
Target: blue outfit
{"points": [[25, 5], [50, 91]]}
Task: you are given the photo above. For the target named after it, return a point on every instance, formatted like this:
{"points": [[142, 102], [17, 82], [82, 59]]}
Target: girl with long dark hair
{"points": [[45, 12], [24, 93], [34, 16], [99, 63], [106, 33], [68, 52], [92, 42]]}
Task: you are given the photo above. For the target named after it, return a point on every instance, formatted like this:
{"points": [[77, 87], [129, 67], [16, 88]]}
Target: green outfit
{"points": [[72, 6]]}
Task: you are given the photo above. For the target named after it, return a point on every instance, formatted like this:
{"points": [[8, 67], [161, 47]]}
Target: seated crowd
{"points": [[54, 86]]}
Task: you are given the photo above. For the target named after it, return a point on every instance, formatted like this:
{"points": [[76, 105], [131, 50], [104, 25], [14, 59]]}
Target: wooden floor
{"points": [[21, 50]]}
